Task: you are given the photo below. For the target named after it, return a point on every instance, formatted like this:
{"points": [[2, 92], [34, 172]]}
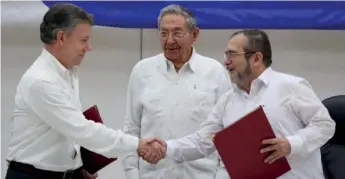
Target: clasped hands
{"points": [[152, 150]]}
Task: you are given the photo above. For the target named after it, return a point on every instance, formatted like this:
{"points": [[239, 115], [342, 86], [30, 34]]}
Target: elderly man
{"points": [[300, 121], [170, 94], [48, 123]]}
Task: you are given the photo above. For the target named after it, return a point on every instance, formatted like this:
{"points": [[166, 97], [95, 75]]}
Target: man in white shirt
{"points": [[170, 94], [299, 120], [48, 123]]}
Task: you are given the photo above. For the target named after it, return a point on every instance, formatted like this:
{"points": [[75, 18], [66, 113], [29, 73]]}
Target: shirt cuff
{"points": [[133, 173], [131, 143], [296, 144], [170, 149]]}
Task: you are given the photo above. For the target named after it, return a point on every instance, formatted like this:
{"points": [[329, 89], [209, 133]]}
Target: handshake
{"points": [[152, 150]]}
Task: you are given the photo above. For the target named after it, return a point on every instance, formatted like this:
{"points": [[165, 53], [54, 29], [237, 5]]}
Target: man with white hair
{"points": [[170, 94]]}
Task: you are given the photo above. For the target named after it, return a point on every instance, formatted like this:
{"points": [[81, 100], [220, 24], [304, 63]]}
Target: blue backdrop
{"points": [[222, 14]]}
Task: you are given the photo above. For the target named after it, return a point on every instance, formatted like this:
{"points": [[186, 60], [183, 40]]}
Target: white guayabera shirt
{"points": [[166, 104]]}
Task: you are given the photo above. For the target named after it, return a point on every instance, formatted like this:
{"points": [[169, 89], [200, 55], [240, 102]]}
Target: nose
{"points": [[227, 62], [170, 39], [88, 47]]}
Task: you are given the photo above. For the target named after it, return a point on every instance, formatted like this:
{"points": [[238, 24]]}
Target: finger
{"points": [[151, 140], [157, 149], [160, 150], [270, 141], [147, 155], [269, 148], [273, 157], [142, 152], [156, 160], [159, 141], [89, 175], [152, 159], [94, 175]]}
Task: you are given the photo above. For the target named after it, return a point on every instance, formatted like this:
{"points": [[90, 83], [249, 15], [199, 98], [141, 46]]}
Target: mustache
{"points": [[172, 46]]}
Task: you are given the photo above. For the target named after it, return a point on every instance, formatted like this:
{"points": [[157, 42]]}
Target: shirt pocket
{"points": [[152, 101], [281, 119], [201, 104]]}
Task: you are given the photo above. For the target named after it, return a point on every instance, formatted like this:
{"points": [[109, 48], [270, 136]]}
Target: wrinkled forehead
{"points": [[237, 43], [173, 22]]}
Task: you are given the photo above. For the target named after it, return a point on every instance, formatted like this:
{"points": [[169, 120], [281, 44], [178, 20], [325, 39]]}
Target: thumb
{"points": [[161, 142], [151, 140]]}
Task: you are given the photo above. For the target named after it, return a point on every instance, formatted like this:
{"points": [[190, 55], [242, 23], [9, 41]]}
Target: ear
{"points": [[60, 37], [196, 32], [258, 58]]}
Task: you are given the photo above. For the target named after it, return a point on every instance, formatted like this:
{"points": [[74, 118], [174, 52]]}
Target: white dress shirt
{"points": [[166, 104], [293, 110], [48, 124]]}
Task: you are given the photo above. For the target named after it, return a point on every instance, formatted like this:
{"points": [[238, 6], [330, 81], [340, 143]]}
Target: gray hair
{"points": [[178, 10], [62, 16]]}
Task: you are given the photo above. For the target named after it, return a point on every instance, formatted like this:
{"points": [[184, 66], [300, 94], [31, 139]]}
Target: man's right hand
{"points": [[152, 150]]}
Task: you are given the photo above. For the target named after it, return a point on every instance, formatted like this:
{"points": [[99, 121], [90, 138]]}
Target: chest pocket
{"points": [[176, 108], [202, 104], [154, 101], [282, 118]]}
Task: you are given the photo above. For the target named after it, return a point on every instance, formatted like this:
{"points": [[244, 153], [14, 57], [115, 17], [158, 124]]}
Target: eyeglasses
{"points": [[231, 54], [175, 35]]}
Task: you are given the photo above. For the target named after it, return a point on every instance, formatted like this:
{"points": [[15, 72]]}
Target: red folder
{"points": [[239, 148], [93, 162]]}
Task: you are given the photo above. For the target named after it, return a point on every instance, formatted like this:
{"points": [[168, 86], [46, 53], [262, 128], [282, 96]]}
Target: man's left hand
{"points": [[279, 147], [87, 175]]}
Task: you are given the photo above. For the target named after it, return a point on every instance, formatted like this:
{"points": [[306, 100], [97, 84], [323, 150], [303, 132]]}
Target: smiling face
{"points": [[175, 37], [238, 65], [75, 44]]}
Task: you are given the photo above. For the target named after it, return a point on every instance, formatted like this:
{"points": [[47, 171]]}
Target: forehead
{"points": [[237, 42], [82, 30], [173, 22]]}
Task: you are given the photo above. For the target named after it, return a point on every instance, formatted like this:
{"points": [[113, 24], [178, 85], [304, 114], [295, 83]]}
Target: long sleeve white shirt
{"points": [[293, 110], [166, 104], [48, 123]]}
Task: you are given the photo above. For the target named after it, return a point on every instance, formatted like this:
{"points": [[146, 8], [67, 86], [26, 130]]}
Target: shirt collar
{"points": [[192, 64], [56, 65], [264, 78]]}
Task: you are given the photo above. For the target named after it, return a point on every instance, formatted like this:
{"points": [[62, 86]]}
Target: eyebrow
{"points": [[174, 29], [231, 51]]}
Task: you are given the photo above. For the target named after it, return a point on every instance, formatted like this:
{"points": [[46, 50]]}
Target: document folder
{"points": [[239, 148], [93, 162]]}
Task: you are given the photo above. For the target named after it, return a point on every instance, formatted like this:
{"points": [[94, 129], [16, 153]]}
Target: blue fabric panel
{"points": [[222, 14]]}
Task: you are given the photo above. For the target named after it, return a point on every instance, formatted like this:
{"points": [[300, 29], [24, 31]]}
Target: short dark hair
{"points": [[62, 16], [258, 41]]}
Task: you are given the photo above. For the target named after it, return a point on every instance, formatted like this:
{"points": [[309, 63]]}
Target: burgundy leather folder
{"points": [[93, 162], [239, 148]]}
